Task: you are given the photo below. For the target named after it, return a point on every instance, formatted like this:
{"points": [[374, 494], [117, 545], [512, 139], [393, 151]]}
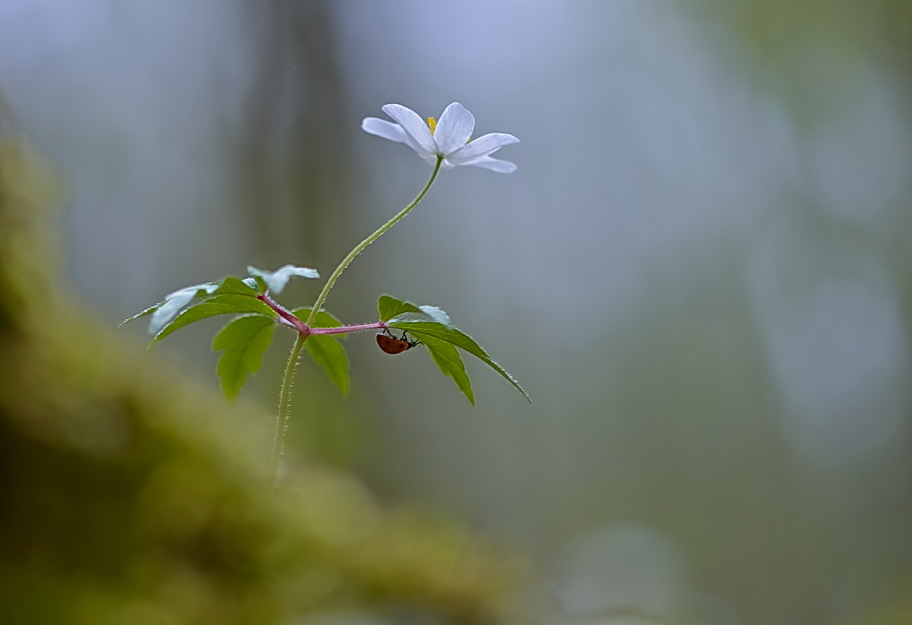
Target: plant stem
{"points": [[289, 320], [321, 299], [284, 315], [361, 327], [278, 442]]}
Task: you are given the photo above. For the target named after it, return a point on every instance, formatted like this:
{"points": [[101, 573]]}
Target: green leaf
{"points": [[433, 327], [226, 304], [242, 343], [450, 362], [389, 307], [174, 302], [164, 311], [436, 314], [140, 315], [275, 281], [450, 334], [236, 286], [326, 349]]}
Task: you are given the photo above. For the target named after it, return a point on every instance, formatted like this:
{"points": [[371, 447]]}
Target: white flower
{"points": [[449, 138]]}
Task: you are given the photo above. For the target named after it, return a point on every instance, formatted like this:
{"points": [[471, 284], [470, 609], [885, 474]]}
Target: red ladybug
{"points": [[392, 345]]}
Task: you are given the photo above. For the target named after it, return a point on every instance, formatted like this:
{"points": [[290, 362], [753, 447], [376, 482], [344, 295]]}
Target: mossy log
{"points": [[130, 496]]}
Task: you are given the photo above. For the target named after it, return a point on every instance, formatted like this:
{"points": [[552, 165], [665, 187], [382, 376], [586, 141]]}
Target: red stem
{"points": [[293, 322], [285, 314], [361, 327]]}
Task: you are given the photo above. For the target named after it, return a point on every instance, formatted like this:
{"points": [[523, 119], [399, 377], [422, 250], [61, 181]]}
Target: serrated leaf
{"points": [[174, 302], [225, 304], [164, 311], [436, 314], [450, 362], [141, 314], [389, 307], [456, 337], [236, 286], [275, 281], [242, 343], [253, 284], [325, 349]]}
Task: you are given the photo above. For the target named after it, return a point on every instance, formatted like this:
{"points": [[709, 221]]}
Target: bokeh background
{"points": [[701, 272]]}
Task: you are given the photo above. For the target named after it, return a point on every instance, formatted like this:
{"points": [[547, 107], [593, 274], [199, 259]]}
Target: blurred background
{"points": [[701, 272]]}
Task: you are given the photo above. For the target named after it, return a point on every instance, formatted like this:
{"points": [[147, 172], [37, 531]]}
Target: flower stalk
{"points": [[331, 282], [304, 328]]}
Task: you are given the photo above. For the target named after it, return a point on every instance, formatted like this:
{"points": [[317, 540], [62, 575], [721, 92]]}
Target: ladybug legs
{"points": [[404, 337]]}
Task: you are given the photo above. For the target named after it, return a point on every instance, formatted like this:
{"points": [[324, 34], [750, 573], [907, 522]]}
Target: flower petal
{"points": [[494, 164], [482, 146], [382, 128], [454, 128], [416, 130]]}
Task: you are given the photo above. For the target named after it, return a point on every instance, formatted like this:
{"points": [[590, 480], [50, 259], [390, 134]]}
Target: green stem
{"points": [[278, 442], [363, 244]]}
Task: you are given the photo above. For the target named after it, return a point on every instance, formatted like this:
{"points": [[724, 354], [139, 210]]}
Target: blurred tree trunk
{"points": [[291, 147]]}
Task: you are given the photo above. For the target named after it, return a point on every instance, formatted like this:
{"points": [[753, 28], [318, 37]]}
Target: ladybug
{"points": [[393, 345]]}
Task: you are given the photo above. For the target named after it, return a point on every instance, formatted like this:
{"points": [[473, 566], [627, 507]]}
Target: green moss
{"points": [[131, 496]]}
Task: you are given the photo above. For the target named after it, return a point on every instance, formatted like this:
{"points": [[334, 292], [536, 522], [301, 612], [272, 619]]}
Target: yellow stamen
{"points": [[432, 124]]}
